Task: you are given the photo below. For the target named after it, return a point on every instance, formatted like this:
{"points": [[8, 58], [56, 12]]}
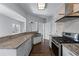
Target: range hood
{"points": [[70, 13], [69, 17], [74, 14]]}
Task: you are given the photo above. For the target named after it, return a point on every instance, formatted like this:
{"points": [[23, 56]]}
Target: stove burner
{"points": [[63, 40]]}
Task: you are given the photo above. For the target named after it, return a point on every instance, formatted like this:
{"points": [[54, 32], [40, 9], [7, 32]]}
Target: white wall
{"points": [[72, 26], [6, 25], [41, 28], [49, 27], [53, 26], [47, 30], [57, 27], [31, 26], [68, 26], [14, 14], [11, 13], [35, 26]]}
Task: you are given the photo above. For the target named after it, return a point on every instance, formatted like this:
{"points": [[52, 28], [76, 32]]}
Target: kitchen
{"points": [[26, 25]]}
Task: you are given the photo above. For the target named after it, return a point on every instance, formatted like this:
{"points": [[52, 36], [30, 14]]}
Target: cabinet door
{"points": [[75, 7], [21, 50], [28, 46], [37, 40], [25, 48]]}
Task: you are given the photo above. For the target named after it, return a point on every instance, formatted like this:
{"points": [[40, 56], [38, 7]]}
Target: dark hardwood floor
{"points": [[41, 49]]}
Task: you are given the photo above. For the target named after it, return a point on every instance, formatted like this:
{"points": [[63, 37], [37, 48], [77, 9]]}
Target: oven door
{"points": [[56, 48]]}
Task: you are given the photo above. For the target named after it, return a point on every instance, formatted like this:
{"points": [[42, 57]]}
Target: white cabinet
{"points": [[21, 50], [28, 46], [7, 52], [37, 39], [50, 40], [25, 48], [67, 52]]}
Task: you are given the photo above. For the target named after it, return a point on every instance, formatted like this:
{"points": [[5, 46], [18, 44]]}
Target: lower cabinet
{"points": [[7, 52], [22, 50], [25, 48], [67, 52], [28, 47], [37, 39]]}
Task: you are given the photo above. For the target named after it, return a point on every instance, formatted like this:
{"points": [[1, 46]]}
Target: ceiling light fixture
{"points": [[41, 6]]}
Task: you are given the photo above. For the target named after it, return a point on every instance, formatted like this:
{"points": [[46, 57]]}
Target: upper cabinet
{"points": [[69, 11]]}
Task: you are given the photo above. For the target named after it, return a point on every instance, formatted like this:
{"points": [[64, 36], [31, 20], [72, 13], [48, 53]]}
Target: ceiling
{"points": [[31, 8], [50, 10]]}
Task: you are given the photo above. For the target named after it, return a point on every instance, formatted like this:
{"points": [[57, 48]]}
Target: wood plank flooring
{"points": [[41, 49]]}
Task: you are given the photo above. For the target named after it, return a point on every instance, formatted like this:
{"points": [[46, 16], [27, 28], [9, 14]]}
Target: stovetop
{"points": [[64, 40]]}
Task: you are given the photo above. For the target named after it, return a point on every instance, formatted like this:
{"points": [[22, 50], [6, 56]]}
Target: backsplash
{"points": [[72, 26]]}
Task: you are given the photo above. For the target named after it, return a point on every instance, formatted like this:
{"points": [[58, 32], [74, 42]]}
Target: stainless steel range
{"points": [[65, 39]]}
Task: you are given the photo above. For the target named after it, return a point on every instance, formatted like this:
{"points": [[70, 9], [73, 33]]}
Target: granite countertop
{"points": [[14, 41], [73, 48]]}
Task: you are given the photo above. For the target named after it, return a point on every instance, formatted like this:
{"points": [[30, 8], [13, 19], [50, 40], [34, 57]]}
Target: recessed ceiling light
{"points": [[41, 6]]}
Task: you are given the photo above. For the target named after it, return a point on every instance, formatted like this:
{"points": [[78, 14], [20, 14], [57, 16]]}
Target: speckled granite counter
{"points": [[13, 41], [73, 48]]}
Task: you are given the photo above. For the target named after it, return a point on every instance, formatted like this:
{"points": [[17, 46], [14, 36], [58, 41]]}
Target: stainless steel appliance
{"points": [[66, 38], [73, 36], [56, 47]]}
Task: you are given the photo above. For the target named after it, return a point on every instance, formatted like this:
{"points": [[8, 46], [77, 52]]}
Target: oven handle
{"points": [[56, 44]]}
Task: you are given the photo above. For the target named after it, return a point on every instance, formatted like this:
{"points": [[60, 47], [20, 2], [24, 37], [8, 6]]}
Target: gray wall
{"points": [[6, 25]]}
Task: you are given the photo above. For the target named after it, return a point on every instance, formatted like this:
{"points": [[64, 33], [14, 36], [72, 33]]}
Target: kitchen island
{"points": [[17, 45]]}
